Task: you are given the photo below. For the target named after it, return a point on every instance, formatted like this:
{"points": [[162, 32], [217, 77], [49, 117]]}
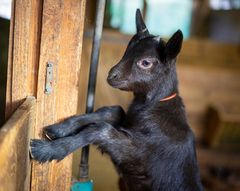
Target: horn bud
{"points": [[140, 25]]}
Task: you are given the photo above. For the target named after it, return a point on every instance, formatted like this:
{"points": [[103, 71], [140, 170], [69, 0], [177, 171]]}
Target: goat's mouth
{"points": [[120, 84]]}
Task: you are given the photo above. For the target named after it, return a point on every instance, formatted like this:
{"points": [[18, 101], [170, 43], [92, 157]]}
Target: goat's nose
{"points": [[113, 75]]}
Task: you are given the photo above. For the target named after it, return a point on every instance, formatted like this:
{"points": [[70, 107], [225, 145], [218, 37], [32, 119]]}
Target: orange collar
{"points": [[169, 97]]}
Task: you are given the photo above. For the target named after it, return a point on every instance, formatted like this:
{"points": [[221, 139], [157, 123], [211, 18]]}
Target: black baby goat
{"points": [[151, 146]]}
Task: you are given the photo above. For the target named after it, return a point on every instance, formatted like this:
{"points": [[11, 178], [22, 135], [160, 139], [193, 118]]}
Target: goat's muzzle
{"points": [[114, 79]]}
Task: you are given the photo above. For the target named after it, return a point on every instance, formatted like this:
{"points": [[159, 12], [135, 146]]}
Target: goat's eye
{"points": [[144, 64]]}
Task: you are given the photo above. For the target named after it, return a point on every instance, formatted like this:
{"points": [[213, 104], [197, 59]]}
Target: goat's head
{"points": [[147, 62]]}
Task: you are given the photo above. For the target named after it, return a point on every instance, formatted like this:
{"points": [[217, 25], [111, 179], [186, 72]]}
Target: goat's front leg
{"points": [[72, 125], [110, 139]]}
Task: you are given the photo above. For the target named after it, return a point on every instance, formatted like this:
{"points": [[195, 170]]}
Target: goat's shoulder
{"points": [[171, 119], [161, 118]]}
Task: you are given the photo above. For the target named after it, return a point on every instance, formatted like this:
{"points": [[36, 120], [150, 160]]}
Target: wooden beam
{"points": [[210, 157], [61, 43], [24, 41], [222, 129], [14, 145]]}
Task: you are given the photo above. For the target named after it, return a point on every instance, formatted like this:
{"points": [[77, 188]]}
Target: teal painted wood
{"points": [[82, 186]]}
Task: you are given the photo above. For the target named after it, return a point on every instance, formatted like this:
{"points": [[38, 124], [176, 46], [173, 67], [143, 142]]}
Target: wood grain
{"points": [[8, 106], [14, 145], [61, 43], [23, 52]]}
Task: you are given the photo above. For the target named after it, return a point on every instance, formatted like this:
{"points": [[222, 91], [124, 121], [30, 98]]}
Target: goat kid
{"points": [[151, 146]]}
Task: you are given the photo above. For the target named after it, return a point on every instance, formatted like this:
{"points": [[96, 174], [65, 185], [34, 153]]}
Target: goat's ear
{"points": [[174, 45], [140, 25]]}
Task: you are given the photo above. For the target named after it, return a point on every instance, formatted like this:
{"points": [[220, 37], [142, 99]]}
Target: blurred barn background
{"points": [[208, 69], [209, 77]]}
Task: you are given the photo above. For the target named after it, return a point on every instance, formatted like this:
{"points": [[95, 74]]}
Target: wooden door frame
{"points": [[42, 31]]}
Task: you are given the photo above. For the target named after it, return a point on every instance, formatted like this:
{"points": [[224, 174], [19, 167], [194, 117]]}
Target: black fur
{"points": [[151, 146]]}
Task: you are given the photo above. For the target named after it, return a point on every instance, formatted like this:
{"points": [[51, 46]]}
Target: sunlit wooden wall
{"points": [[45, 31]]}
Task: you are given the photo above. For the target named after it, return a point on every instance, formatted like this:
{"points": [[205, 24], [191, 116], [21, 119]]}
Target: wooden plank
{"points": [[222, 130], [218, 158], [14, 148], [61, 43], [23, 52], [215, 183], [8, 109]]}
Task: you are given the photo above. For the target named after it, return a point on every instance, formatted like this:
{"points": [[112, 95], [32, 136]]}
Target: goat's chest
{"points": [[135, 115]]}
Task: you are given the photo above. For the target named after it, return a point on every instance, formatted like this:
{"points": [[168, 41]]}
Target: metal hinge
{"points": [[49, 78]]}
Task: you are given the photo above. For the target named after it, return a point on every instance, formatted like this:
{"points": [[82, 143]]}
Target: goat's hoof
{"points": [[41, 150], [52, 132]]}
